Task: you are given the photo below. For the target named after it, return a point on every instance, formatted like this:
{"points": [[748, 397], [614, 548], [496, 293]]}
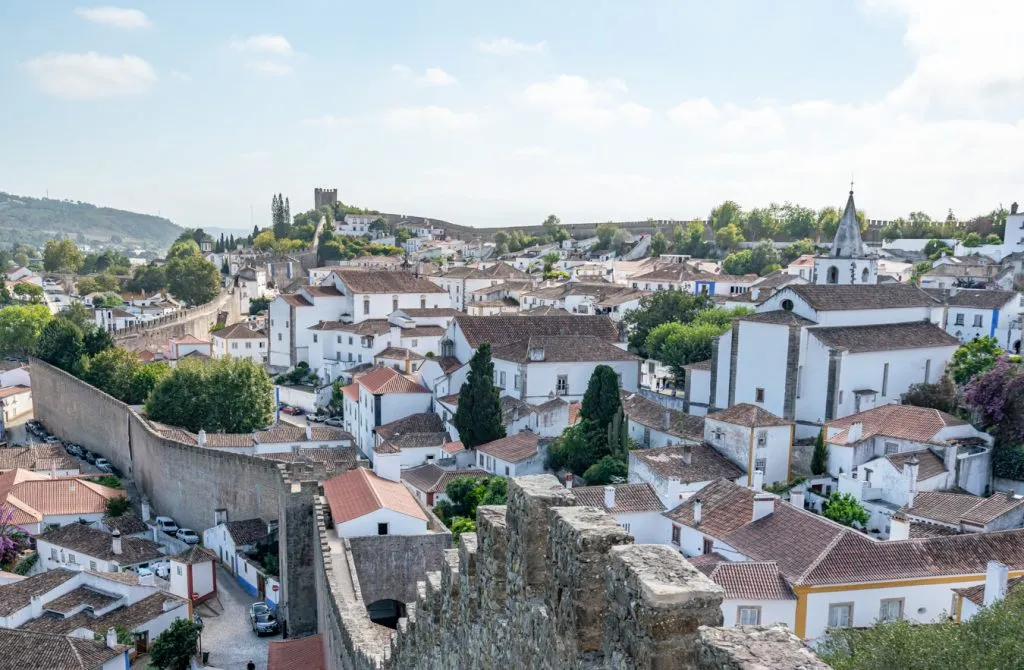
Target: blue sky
{"points": [[500, 113]]}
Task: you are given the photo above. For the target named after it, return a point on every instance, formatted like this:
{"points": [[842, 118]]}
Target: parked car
{"points": [[316, 418], [294, 411], [335, 421], [51, 439], [73, 450], [88, 456], [103, 465], [166, 524], [161, 570], [187, 535], [262, 619]]}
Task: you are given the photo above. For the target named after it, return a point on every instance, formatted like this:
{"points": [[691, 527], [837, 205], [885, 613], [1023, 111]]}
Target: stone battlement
{"points": [[547, 584]]}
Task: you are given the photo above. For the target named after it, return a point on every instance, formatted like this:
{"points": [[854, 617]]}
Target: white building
{"points": [[229, 540], [113, 318], [193, 574], [251, 283], [414, 439], [974, 313], [653, 425], [38, 501], [378, 398], [756, 593], [16, 402], [240, 341], [76, 546], [848, 261], [677, 472], [461, 282], [969, 601], [187, 345], [577, 297], [754, 439], [362, 503], [281, 438], [682, 277], [512, 456], [635, 506]]}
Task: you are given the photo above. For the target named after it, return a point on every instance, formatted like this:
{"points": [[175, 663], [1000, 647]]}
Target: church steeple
{"points": [[848, 242]]}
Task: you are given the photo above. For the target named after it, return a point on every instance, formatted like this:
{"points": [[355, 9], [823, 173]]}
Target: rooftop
{"points": [[18, 595], [299, 653], [751, 416], [99, 544], [504, 330], [385, 281], [905, 422], [385, 380], [749, 580], [973, 298], [954, 508], [359, 492], [34, 495], [976, 593], [706, 464], [24, 649], [629, 498], [129, 616], [246, 531], [512, 449], [561, 349], [423, 429], [648, 413], [240, 331], [885, 337], [838, 297], [928, 464], [431, 478]]}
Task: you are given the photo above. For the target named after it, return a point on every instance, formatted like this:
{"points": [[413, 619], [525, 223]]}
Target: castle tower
{"points": [[324, 196], [848, 261]]}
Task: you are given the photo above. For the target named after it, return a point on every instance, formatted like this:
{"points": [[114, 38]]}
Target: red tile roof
{"points": [[386, 281], [706, 464], [748, 415], [954, 508], [359, 492], [976, 593], [387, 380], [431, 478], [905, 422], [629, 498], [300, 653], [928, 464], [512, 449], [749, 580]]}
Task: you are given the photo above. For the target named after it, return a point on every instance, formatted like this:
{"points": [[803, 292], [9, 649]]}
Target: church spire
{"points": [[848, 242]]}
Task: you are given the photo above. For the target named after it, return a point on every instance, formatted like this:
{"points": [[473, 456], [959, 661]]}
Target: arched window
{"points": [[833, 275], [447, 348], [864, 276]]}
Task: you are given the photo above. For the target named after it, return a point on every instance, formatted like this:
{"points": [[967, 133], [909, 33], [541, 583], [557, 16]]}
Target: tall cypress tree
{"points": [[478, 417], [819, 458]]}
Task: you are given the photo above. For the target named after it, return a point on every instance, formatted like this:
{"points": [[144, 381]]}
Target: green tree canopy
{"points": [[598, 433], [941, 395], [61, 344], [111, 371], [478, 416], [147, 279], [97, 340], [690, 240], [144, 380], [554, 229], [78, 314], [845, 509], [679, 344], [658, 308], [797, 249], [659, 244], [29, 292], [61, 256], [727, 214], [608, 470], [20, 328], [173, 648], [819, 457], [605, 234], [193, 279], [227, 395], [973, 358], [728, 238]]}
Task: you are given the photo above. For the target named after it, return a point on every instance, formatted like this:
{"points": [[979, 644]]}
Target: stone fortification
{"points": [[195, 321], [545, 584]]}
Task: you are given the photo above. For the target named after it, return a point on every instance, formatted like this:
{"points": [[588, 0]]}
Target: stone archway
{"points": [[386, 612]]}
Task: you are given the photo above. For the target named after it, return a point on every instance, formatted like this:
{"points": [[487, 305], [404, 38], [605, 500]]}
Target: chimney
{"points": [[116, 542], [666, 420], [995, 582], [910, 471], [309, 432], [764, 504], [796, 497], [201, 438], [755, 293], [953, 291], [687, 453], [609, 497], [111, 638], [145, 509], [757, 482], [854, 432], [146, 578], [899, 527], [568, 480], [37, 606], [696, 511]]}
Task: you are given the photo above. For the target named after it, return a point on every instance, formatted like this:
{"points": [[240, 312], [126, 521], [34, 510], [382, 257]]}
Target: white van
{"points": [[166, 524]]}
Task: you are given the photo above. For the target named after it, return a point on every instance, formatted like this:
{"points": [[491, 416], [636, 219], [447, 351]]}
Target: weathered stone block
{"points": [[754, 648], [492, 565], [529, 499]]}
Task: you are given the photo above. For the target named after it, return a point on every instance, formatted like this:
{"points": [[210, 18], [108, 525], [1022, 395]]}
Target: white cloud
{"points": [[180, 76], [327, 121], [271, 44], [271, 68], [432, 118], [88, 75], [115, 17], [587, 105], [505, 46], [435, 76], [532, 151], [403, 70]]}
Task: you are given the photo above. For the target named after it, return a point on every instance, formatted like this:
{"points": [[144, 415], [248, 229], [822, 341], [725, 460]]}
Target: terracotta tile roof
{"points": [[126, 524], [973, 298], [561, 349], [496, 271], [905, 422], [450, 399], [512, 449], [431, 478], [681, 272], [429, 311], [648, 413], [976, 593], [920, 530], [386, 281], [331, 459], [351, 392], [31, 457], [826, 297], [503, 330], [706, 464], [629, 498], [699, 365], [296, 300], [358, 492], [368, 327], [749, 580], [246, 531], [420, 429], [448, 363], [18, 595], [8, 391], [724, 508], [751, 416], [778, 317], [400, 354], [884, 337], [99, 544], [300, 653], [954, 508], [286, 432], [928, 464], [453, 447], [544, 310], [53, 496], [385, 380], [240, 331], [130, 617], [195, 555], [421, 331], [81, 595], [322, 291], [705, 562], [24, 649]]}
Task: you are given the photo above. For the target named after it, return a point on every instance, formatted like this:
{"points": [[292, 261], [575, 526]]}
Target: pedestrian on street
{"points": [[250, 666]]}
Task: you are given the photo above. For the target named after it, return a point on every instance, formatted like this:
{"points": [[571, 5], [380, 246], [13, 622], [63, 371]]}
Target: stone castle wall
{"points": [[545, 584], [195, 321]]}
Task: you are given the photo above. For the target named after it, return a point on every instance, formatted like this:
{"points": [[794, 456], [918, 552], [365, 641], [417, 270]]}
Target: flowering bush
{"points": [[996, 398]]}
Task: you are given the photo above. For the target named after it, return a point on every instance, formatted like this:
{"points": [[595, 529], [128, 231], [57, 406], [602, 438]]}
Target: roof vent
{"points": [[537, 354]]}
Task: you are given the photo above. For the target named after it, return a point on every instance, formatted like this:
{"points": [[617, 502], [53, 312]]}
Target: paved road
{"points": [[228, 636]]}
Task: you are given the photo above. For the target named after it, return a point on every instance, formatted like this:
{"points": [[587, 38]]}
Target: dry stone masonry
{"points": [[546, 584]]}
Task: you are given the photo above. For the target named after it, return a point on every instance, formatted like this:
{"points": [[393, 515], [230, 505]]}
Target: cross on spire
{"points": [[851, 182]]}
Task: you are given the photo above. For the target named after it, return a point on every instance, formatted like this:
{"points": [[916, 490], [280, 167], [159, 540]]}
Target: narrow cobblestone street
{"points": [[227, 634]]}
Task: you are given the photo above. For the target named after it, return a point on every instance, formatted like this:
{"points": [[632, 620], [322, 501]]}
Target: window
{"points": [[479, 459], [758, 395], [833, 275], [762, 438], [279, 337], [892, 448], [891, 609], [92, 565], [718, 434], [366, 305], [415, 343], [53, 554], [382, 529], [840, 615], [248, 345], [625, 526], [562, 385], [647, 436], [748, 616], [285, 324], [180, 573], [350, 339], [675, 534], [787, 305], [864, 276], [840, 397], [927, 370], [314, 338], [799, 376], [959, 320], [650, 367], [506, 471], [517, 381], [394, 303], [339, 339], [708, 546], [760, 464], [885, 379], [501, 379], [423, 302], [977, 320], [71, 558]]}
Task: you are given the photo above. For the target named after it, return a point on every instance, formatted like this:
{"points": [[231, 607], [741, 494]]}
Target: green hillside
{"points": [[35, 220]]}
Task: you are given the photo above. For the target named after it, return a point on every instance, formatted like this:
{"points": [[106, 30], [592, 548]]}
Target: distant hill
{"points": [[35, 220]]}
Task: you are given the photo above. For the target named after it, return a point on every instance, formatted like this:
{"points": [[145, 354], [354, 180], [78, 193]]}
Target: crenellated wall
{"points": [[195, 321], [546, 584]]}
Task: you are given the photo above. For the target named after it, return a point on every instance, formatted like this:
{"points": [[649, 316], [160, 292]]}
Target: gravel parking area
{"points": [[227, 635]]}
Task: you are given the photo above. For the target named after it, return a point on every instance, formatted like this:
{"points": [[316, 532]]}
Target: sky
{"points": [[492, 114]]}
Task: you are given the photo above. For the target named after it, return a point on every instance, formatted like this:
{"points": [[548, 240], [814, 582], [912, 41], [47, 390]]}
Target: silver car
{"points": [[262, 619]]}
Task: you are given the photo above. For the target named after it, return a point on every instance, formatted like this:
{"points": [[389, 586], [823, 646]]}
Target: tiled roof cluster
{"points": [[706, 464], [956, 508], [431, 478], [648, 413], [36, 457], [24, 649], [300, 653], [18, 595], [386, 281], [561, 349], [512, 449], [928, 464], [358, 492], [99, 544], [423, 429], [972, 298], [368, 327], [129, 617], [749, 580], [33, 495], [904, 422], [385, 380], [504, 330], [839, 297], [629, 498]]}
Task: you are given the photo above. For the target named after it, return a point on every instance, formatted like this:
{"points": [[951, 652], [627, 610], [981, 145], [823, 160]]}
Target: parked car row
{"points": [[37, 429], [168, 525]]}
